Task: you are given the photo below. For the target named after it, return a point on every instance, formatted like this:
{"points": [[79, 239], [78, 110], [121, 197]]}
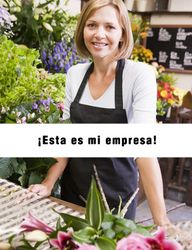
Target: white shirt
{"points": [[139, 92]]}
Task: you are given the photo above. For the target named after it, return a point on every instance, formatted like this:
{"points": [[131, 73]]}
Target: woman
{"points": [[112, 89]]}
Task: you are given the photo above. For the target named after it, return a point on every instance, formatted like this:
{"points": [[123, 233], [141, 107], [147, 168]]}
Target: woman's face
{"points": [[103, 32]]}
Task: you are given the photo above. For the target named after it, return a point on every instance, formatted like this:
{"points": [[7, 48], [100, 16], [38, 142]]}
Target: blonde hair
{"points": [[126, 45]]}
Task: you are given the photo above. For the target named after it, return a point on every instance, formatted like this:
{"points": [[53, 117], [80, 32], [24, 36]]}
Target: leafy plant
{"points": [[139, 27], [39, 24], [25, 171], [99, 230], [21, 81], [41, 111]]}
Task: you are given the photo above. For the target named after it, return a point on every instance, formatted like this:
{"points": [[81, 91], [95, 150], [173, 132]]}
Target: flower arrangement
{"points": [[139, 27], [168, 94], [100, 229], [40, 111], [140, 53]]}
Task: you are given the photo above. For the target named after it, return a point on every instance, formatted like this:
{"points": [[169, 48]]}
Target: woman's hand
{"points": [[40, 189]]}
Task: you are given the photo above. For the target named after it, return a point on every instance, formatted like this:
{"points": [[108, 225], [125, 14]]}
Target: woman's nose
{"points": [[100, 32]]}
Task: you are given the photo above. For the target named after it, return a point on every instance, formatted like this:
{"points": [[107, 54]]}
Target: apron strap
{"points": [[83, 83], [118, 84]]}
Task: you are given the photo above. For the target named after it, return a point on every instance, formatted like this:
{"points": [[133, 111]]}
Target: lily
{"points": [[31, 223], [159, 242], [63, 240]]}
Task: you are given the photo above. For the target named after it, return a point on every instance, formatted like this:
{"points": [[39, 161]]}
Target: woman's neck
{"points": [[103, 68]]}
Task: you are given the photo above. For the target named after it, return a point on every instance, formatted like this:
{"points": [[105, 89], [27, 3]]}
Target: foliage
{"points": [[25, 171], [5, 22], [139, 27], [41, 111], [39, 23], [99, 230], [61, 57], [21, 81]]}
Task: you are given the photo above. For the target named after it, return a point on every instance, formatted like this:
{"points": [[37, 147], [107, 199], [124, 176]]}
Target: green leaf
{"points": [[75, 222], [84, 235], [94, 207], [104, 243], [6, 169]]}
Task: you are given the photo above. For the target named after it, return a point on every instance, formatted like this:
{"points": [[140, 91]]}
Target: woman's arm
{"points": [[152, 183], [44, 189]]}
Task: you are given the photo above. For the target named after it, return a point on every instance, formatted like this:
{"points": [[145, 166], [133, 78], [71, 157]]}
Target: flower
{"points": [[31, 223], [36, 235], [140, 53], [61, 57], [133, 242], [63, 240], [100, 228], [167, 96], [159, 242]]}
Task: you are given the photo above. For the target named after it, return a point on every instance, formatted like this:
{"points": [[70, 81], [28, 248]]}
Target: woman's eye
{"points": [[91, 25], [110, 27]]}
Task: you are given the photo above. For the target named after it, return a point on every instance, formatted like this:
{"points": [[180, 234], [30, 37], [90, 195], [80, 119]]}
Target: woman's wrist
{"points": [[164, 221], [48, 184]]}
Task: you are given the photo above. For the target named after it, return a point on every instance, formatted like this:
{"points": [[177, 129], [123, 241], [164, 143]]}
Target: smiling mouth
{"points": [[99, 45]]}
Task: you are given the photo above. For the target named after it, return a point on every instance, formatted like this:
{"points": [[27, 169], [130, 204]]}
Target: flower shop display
{"points": [[168, 94], [100, 229], [22, 84], [38, 24], [140, 53], [139, 27]]}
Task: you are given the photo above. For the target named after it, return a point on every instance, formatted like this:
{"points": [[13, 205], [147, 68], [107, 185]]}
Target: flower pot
{"points": [[145, 5], [129, 4]]}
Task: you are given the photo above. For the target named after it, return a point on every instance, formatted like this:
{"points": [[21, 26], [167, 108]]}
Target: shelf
{"points": [[160, 12]]}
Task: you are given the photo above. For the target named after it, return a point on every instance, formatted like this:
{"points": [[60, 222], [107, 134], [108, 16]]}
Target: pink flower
{"points": [[87, 247], [31, 223], [159, 242], [63, 240], [60, 106], [134, 242]]}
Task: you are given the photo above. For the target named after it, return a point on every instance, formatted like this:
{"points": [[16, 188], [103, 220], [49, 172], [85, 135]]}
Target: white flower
{"points": [[3, 110], [36, 235]]}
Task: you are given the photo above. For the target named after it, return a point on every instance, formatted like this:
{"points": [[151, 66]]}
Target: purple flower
{"points": [[31, 223], [35, 106], [44, 55], [63, 240]]}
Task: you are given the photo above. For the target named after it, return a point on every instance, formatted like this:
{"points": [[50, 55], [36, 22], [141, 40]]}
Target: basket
{"points": [[182, 233], [16, 202]]}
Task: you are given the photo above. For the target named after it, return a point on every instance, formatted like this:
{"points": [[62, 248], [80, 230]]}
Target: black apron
{"points": [[118, 176]]}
